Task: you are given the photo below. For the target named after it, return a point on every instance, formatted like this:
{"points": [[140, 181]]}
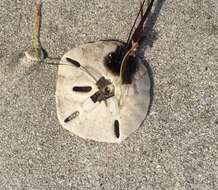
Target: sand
{"points": [[176, 148]]}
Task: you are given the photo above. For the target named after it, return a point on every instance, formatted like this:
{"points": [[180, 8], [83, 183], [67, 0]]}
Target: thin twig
{"points": [[36, 32]]}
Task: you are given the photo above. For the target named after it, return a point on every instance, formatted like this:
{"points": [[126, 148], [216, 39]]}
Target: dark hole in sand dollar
{"points": [[117, 128], [72, 116], [75, 63], [82, 88]]}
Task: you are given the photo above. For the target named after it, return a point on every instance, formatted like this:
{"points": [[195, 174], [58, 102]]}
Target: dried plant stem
{"points": [[36, 31]]}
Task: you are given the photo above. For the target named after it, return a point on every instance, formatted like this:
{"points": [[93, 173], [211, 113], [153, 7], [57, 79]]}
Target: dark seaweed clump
{"points": [[130, 70], [113, 60]]}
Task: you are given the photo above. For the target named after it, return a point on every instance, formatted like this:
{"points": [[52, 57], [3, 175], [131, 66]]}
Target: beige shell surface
{"points": [[96, 120]]}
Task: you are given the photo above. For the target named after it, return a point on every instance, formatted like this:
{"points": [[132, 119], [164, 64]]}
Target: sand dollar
{"points": [[80, 109]]}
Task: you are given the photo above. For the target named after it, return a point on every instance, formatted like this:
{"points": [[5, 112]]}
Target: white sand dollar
{"points": [[110, 120]]}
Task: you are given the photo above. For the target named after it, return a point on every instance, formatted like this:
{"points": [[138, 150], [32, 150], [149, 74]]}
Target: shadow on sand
{"points": [[150, 36]]}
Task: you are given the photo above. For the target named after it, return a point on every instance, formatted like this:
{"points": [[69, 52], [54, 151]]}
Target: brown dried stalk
{"points": [[36, 32]]}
